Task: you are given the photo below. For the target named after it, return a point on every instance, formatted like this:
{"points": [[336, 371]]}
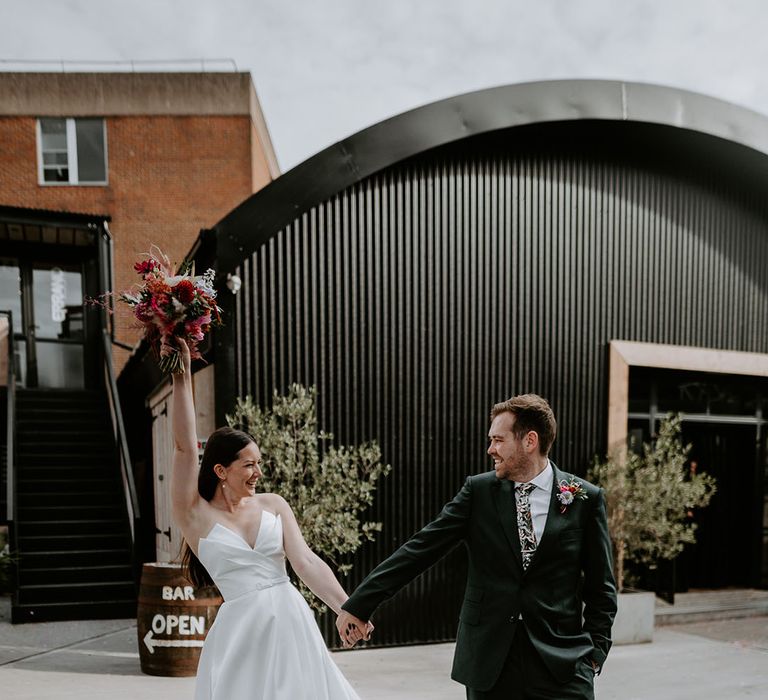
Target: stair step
{"points": [[72, 592], [73, 498], [47, 543], [26, 397], [65, 486], [65, 512], [63, 441], [73, 472], [90, 406], [41, 528], [79, 610], [60, 431], [706, 613], [75, 574], [66, 458], [73, 557], [68, 414]]}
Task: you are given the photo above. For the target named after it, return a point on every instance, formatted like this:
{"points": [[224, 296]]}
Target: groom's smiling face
{"points": [[510, 458]]}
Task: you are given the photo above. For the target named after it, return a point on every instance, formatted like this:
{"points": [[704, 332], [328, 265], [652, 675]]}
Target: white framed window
{"points": [[71, 151]]}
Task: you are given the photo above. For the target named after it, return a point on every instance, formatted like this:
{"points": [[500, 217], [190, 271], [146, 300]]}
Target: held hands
{"points": [[352, 629]]}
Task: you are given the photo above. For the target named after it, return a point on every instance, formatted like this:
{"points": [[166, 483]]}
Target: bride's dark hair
{"points": [[222, 448]]}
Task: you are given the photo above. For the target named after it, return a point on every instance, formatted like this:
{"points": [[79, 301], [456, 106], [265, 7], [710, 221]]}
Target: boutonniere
{"points": [[570, 490]]}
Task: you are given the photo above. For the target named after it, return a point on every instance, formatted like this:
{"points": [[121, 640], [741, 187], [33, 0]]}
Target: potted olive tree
{"points": [[650, 494]]}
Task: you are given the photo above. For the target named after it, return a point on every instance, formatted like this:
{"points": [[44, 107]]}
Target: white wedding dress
{"points": [[265, 643]]}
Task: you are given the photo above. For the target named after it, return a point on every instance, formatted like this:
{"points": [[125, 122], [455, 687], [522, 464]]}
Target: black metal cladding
{"points": [[418, 297]]}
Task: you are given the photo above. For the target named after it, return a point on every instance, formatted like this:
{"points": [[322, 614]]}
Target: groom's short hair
{"points": [[532, 412]]}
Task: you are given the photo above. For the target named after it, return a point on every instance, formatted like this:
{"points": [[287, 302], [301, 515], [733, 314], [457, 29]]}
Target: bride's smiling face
{"points": [[242, 474]]}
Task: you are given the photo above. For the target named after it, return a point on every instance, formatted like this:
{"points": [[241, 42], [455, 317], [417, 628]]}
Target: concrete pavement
{"points": [[726, 659]]}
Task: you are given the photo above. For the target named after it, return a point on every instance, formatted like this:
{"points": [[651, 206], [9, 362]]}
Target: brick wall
{"points": [[169, 176]]}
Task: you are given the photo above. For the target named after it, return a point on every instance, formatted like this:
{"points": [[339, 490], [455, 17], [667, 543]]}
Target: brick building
{"points": [[158, 155], [94, 169]]}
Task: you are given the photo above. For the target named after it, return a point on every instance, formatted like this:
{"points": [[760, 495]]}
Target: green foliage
{"points": [[328, 487], [651, 496]]}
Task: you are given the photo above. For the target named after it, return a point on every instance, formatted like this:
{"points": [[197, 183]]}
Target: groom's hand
{"points": [[352, 629]]}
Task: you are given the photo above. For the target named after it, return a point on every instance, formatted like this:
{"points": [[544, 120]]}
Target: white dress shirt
{"points": [[540, 498]]}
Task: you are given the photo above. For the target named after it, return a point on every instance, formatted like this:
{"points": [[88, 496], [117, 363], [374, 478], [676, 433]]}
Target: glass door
{"points": [[10, 300], [55, 329]]}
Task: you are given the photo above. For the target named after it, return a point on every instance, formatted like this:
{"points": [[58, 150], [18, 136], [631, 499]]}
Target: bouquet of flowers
{"points": [[170, 306]]}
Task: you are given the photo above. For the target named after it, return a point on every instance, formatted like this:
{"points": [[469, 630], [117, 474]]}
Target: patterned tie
{"points": [[525, 522]]}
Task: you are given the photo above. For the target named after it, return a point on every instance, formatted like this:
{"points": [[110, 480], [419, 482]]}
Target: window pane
{"points": [[59, 366], [54, 132], [91, 166], [55, 158], [56, 174], [10, 291], [58, 301]]}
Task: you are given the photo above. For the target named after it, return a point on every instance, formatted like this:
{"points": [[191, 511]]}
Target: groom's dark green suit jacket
{"points": [[566, 597]]}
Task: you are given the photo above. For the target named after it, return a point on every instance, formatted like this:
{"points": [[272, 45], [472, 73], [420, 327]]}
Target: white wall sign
{"points": [[58, 295]]}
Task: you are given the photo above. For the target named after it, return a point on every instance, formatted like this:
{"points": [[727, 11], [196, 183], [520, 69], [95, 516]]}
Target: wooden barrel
{"points": [[173, 619]]}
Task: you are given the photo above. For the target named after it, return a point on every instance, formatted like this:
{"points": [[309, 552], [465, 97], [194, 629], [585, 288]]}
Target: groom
{"points": [[540, 596]]}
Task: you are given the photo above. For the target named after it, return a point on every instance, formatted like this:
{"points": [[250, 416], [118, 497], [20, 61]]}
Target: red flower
{"points": [[184, 291], [145, 266]]}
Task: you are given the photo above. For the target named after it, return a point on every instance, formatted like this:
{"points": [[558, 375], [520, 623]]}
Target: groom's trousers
{"points": [[525, 677]]}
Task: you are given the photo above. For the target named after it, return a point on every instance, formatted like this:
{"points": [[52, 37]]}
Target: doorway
{"points": [[723, 555], [46, 300], [722, 420]]}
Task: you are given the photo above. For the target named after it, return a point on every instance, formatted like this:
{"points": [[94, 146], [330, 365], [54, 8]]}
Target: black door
{"points": [[729, 528]]}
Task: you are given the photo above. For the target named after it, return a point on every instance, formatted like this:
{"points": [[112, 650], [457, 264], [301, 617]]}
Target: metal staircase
{"points": [[73, 540]]}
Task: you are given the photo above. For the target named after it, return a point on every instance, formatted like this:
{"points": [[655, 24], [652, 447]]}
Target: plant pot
{"points": [[635, 618]]}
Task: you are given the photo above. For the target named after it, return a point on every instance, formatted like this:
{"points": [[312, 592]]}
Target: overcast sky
{"points": [[324, 69]]}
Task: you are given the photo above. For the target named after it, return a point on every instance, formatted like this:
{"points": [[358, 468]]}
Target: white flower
{"points": [[205, 282], [130, 298], [565, 497]]}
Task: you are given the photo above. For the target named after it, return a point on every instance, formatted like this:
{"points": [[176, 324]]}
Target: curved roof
{"points": [[400, 137]]}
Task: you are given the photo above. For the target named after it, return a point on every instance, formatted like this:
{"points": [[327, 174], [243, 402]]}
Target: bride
{"points": [[265, 643]]}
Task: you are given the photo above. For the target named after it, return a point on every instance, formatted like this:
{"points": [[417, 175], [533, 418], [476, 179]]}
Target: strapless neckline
{"points": [[238, 535]]}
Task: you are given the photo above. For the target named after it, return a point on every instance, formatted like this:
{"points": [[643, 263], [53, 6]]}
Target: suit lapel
{"points": [[504, 500]]}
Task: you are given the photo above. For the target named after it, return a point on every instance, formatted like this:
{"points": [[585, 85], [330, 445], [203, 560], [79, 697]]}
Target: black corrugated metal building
{"points": [[590, 241]]}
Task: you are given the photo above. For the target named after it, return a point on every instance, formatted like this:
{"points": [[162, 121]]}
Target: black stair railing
{"points": [[106, 263], [10, 474], [126, 469]]}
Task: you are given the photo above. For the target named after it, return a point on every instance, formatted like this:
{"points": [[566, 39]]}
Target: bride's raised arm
{"points": [[184, 494]]}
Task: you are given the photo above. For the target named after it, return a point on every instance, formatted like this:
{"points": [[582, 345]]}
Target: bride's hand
{"points": [[186, 358], [351, 629]]}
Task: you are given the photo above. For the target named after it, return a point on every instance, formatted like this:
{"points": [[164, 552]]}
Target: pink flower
{"points": [[143, 312], [194, 330], [159, 301]]}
